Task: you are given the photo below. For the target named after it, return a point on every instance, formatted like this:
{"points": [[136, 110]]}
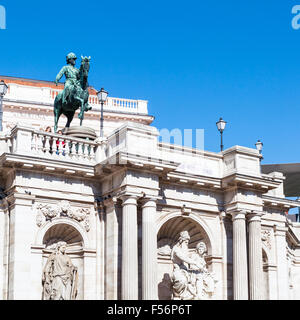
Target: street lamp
{"points": [[259, 147], [3, 90], [102, 97], [221, 124]]}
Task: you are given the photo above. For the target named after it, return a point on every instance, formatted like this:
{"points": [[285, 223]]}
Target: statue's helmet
{"points": [[71, 55]]}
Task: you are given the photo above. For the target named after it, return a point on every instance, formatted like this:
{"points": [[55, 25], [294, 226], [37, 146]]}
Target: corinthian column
{"points": [[129, 249], [149, 250], [255, 258], [240, 271]]}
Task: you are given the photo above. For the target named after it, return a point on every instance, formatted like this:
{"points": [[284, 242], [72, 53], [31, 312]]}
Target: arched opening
{"points": [[62, 232], [166, 239], [75, 244]]}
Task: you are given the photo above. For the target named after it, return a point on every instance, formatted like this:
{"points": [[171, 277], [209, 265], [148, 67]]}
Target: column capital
{"points": [[238, 214], [110, 201], [149, 201], [129, 198], [255, 216]]}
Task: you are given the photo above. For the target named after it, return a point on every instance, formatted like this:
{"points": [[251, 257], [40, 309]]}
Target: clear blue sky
{"points": [[193, 60]]}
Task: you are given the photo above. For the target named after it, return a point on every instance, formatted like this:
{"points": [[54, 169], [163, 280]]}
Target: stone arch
{"points": [[59, 228], [62, 232], [207, 234], [71, 232]]}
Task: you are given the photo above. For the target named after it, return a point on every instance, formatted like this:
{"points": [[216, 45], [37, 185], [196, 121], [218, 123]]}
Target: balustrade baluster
{"points": [[40, 146], [47, 146], [86, 151], [33, 143], [92, 152], [72, 149], [67, 148], [60, 147], [54, 147], [80, 151]]}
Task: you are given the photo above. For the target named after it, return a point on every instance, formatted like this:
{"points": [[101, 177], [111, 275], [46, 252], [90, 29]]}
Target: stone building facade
{"points": [[122, 202]]}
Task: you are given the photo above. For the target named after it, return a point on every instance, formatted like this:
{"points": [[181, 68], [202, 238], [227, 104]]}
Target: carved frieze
{"points": [[46, 212]]}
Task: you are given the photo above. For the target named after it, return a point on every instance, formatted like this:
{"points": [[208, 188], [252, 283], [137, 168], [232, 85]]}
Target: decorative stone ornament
{"points": [[266, 238], [46, 212]]}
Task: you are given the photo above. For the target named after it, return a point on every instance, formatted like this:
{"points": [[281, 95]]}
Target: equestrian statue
{"points": [[75, 94]]}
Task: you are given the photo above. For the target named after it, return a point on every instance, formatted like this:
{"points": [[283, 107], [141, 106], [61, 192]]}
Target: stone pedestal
{"points": [[81, 132]]}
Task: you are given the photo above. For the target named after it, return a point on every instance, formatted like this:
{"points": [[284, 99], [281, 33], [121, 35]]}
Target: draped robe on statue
{"points": [[59, 278]]}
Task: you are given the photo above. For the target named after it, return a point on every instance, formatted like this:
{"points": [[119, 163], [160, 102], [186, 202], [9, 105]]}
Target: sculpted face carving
{"points": [[65, 206]]}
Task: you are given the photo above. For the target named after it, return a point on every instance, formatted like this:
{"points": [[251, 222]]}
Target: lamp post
{"points": [[259, 147], [221, 124], [102, 97], [3, 90]]}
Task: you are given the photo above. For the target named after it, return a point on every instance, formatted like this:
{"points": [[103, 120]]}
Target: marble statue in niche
{"points": [[60, 276], [190, 279]]}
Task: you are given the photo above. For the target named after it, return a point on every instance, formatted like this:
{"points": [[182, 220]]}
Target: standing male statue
{"points": [[75, 94], [59, 276]]}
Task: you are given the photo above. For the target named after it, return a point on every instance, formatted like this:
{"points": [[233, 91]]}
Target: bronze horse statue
{"points": [[78, 94]]}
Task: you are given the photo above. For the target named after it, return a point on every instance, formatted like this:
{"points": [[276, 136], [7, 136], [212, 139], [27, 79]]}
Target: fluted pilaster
{"points": [[255, 258], [129, 249], [149, 250], [240, 272]]}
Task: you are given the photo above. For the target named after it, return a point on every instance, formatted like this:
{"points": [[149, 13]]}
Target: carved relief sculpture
{"points": [[47, 212], [190, 279], [266, 238], [60, 276]]}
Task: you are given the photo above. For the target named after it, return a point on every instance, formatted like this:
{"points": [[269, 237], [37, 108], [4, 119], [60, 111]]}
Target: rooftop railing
{"points": [[46, 95]]}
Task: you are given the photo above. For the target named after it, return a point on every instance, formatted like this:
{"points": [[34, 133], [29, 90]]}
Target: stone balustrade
{"points": [[27, 141]]}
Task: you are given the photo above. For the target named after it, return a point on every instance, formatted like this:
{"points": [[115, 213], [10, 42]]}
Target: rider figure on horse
{"points": [[72, 77]]}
